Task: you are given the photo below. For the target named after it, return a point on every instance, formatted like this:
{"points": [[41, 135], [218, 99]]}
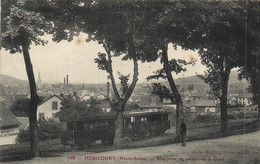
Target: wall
{"points": [[8, 135], [46, 108]]}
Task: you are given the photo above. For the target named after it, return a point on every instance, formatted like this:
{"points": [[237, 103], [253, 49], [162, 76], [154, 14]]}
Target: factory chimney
{"points": [[108, 97], [64, 85], [67, 80]]}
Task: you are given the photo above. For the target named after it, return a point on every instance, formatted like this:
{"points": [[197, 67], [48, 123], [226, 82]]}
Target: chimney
{"points": [[64, 85], [67, 80], [108, 90], [108, 96]]}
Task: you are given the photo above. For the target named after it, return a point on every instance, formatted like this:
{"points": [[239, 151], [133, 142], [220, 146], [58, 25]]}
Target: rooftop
{"points": [[201, 103], [7, 119]]}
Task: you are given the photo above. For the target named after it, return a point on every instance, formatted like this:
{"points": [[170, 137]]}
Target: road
{"points": [[240, 149]]}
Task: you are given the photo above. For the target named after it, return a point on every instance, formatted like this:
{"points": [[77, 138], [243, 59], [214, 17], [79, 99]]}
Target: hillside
{"points": [[12, 81], [235, 85]]}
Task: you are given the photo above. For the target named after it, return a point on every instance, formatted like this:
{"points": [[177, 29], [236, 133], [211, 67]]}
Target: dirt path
{"points": [[240, 149]]}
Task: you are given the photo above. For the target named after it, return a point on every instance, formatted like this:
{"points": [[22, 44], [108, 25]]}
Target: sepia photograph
{"points": [[130, 81]]}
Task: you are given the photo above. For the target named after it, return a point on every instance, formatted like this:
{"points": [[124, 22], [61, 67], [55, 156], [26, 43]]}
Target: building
{"points": [[149, 103], [168, 103], [244, 99], [49, 107], [24, 123], [200, 106], [9, 126], [104, 105]]}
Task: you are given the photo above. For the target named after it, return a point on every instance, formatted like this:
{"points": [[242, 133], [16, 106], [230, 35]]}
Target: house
{"points": [[24, 123], [200, 106], [49, 107], [168, 103], [86, 97], [104, 105], [200, 95], [101, 97], [232, 99], [244, 99], [9, 126], [149, 103]]}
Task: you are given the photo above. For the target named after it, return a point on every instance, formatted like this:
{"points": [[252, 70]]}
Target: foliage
{"points": [[21, 27], [162, 91], [225, 36], [77, 110], [20, 108], [124, 83], [250, 66], [206, 119], [48, 129], [23, 136], [176, 66]]}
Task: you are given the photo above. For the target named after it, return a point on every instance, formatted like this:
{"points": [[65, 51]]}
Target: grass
{"points": [[21, 151], [51, 148]]}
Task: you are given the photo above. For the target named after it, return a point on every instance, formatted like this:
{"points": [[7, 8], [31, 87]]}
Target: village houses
{"points": [[49, 107], [9, 126]]}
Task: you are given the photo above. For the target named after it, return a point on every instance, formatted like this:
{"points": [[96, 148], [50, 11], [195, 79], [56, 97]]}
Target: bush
{"points": [[47, 129], [207, 119], [23, 136]]}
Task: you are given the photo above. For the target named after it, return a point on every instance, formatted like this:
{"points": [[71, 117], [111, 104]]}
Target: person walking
{"points": [[183, 132]]}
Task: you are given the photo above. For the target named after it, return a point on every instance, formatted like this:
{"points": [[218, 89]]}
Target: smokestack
{"points": [[64, 82], [108, 90], [108, 96], [67, 80]]}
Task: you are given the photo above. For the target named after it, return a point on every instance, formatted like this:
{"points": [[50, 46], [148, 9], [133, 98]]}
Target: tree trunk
{"points": [[34, 152], [119, 127], [258, 104], [121, 101], [223, 102], [177, 96], [258, 92]]}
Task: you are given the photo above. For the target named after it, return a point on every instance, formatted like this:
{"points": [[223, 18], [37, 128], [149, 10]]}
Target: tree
{"points": [[119, 27], [75, 110], [162, 91], [223, 48], [250, 67], [173, 22], [48, 129], [20, 29], [20, 107]]}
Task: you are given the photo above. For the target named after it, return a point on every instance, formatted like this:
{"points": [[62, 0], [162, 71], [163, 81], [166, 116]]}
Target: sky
{"points": [[76, 58]]}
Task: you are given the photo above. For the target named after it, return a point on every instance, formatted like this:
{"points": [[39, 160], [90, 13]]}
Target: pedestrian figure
{"points": [[183, 133]]}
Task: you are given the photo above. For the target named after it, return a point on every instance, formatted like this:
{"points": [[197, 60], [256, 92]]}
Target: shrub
{"points": [[23, 136], [47, 129], [207, 118]]}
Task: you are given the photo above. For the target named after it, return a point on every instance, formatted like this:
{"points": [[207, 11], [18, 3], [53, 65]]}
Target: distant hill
{"points": [[12, 81], [235, 85]]}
